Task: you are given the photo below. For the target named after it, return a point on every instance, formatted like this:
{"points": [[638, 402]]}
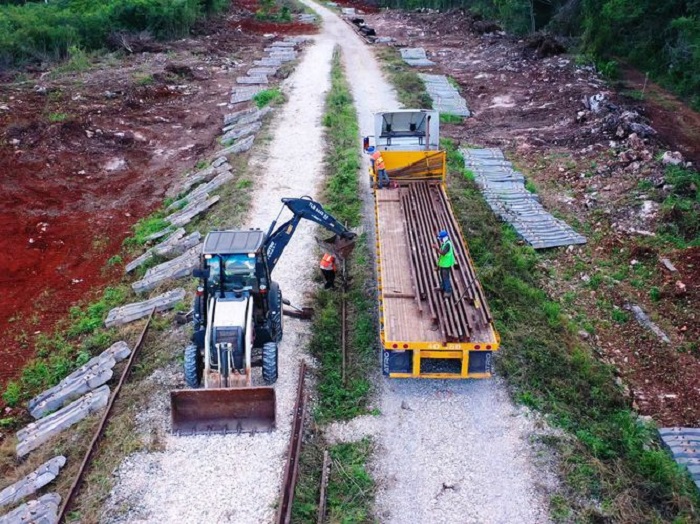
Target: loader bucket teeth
{"points": [[224, 410]]}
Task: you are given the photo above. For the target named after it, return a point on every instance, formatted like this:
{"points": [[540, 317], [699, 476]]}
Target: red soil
{"points": [[84, 155]]}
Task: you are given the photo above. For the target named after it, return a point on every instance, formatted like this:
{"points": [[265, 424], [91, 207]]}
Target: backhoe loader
{"points": [[237, 318]]}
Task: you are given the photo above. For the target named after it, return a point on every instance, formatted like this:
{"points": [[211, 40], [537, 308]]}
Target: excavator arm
{"points": [[277, 239]]}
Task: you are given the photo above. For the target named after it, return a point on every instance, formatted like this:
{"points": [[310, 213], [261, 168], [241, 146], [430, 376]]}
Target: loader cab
{"points": [[236, 259]]}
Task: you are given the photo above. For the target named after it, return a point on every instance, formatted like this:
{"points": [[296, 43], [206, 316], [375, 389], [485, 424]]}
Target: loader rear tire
{"points": [[269, 362], [194, 367]]}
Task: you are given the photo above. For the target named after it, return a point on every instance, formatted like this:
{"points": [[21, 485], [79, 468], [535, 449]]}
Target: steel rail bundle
{"points": [[427, 211]]}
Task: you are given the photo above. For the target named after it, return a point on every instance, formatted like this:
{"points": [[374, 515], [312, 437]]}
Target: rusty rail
{"points": [[325, 473], [103, 423], [427, 211], [284, 513]]}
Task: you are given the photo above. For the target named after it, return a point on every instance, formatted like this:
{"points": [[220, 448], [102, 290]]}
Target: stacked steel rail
{"points": [[426, 211]]}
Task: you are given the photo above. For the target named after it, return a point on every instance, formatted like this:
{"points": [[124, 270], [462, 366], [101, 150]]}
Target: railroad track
{"points": [[75, 487], [284, 513]]}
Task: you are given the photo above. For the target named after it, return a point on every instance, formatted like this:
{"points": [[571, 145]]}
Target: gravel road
{"points": [[448, 452]]}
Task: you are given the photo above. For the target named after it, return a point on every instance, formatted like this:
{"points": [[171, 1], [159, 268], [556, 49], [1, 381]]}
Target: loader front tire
{"points": [[269, 362], [276, 312], [194, 367]]}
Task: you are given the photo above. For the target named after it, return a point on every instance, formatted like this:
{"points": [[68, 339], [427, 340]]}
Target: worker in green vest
{"points": [[446, 259]]}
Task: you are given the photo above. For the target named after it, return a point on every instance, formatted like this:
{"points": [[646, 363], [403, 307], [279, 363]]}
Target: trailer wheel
{"points": [[276, 312], [193, 367], [269, 362]]}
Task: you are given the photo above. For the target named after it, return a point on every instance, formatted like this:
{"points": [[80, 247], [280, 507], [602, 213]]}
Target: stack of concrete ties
{"points": [[684, 445], [307, 18], [78, 395], [256, 79], [136, 310], [415, 57], [446, 98], [37, 479], [43, 510], [504, 191]]}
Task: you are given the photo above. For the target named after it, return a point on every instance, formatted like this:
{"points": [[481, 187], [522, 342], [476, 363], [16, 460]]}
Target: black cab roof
{"points": [[228, 242]]}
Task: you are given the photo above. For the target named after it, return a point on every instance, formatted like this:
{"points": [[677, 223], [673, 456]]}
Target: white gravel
{"points": [[447, 451]]}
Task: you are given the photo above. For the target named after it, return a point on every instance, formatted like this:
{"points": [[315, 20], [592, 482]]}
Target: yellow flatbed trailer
{"points": [[424, 334]]}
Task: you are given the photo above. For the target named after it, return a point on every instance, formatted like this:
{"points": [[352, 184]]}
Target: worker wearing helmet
{"points": [[380, 169], [328, 270], [446, 259]]}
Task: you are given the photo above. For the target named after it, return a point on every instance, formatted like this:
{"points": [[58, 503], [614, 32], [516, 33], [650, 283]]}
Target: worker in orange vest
{"points": [[328, 269], [380, 169]]}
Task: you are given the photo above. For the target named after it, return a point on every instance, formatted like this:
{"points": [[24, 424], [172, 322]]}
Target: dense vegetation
{"points": [[38, 31], [660, 38]]}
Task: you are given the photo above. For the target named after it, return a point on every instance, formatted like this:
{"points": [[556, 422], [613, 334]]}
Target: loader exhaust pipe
{"points": [[223, 410]]}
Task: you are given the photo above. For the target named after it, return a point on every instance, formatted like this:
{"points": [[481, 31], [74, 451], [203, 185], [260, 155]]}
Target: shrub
{"points": [[54, 31]]}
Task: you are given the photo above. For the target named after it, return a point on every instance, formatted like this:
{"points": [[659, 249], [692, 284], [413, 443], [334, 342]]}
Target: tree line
{"points": [[45, 31], [661, 38]]}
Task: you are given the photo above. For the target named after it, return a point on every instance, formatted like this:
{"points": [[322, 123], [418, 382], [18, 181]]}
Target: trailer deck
{"points": [[423, 334]]}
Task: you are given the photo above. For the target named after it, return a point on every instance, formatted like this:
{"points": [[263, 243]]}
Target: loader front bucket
{"points": [[225, 410]]}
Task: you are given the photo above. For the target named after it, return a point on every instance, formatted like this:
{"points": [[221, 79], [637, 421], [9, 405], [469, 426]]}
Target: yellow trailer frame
{"points": [[404, 357]]}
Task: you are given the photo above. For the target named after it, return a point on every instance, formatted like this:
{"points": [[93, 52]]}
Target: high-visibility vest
{"points": [[448, 259], [378, 160], [327, 262]]}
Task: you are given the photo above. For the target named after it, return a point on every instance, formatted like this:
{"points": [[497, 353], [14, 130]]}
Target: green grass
{"points": [[338, 400], [72, 344], [409, 87], [57, 117], [447, 118], [350, 486], [680, 211], [530, 186], [146, 227], [144, 79], [613, 457], [350, 490], [268, 97]]}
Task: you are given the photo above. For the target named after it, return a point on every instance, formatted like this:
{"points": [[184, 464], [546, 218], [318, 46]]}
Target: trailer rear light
{"points": [[477, 346], [394, 346], [405, 346], [488, 346]]}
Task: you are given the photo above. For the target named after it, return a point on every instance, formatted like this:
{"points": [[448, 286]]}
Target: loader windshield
{"points": [[239, 269]]}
